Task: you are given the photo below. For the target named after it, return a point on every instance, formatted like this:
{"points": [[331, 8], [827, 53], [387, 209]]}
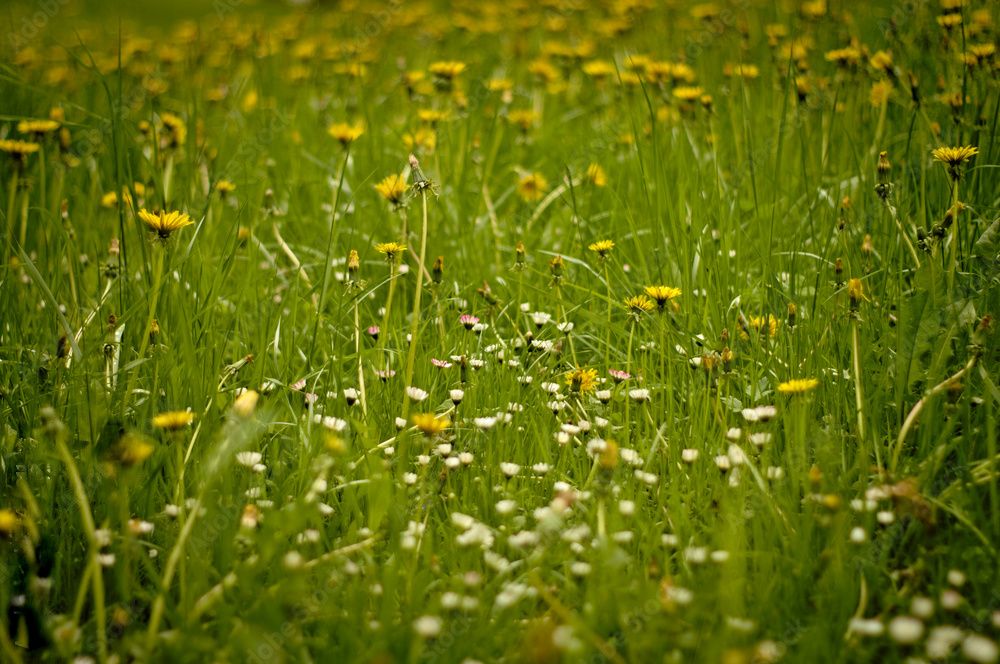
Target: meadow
{"points": [[552, 331]]}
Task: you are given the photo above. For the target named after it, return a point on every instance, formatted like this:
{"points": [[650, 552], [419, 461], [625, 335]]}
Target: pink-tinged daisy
{"points": [[468, 321], [618, 375]]}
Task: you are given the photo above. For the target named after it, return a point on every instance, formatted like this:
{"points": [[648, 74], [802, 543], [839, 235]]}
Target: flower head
{"points": [[18, 149], [164, 223], [798, 386], [595, 175], [37, 126], [391, 250], [582, 379], [602, 247], [954, 157], [346, 133], [447, 70], [393, 188], [639, 304], [662, 294], [532, 187], [173, 420], [429, 423]]}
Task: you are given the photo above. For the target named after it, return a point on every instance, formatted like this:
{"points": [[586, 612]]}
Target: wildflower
{"points": [[390, 250], [176, 132], [173, 420], [582, 380], [9, 522], [430, 424], [532, 186], [523, 118], [638, 305], [164, 224], [447, 69], [618, 375], [639, 394], [225, 187], [132, 449], [392, 189], [437, 270], [18, 149], [856, 293], [602, 247], [346, 133], [798, 386], [595, 175], [37, 127], [884, 187], [416, 393], [556, 267], [906, 630], [509, 469], [456, 396], [662, 294], [954, 157], [427, 626], [468, 321], [246, 403]]}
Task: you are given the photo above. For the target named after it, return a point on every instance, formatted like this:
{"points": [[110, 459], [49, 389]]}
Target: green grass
{"points": [[670, 528]]}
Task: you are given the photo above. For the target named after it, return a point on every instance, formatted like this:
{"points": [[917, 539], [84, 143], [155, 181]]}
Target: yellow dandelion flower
{"points": [[176, 129], [225, 187], [746, 71], [954, 156], [532, 186], [391, 250], [433, 116], [448, 70], [596, 176], [602, 247], [164, 224], [424, 138], [393, 188], [346, 133], [524, 118], [880, 93], [499, 85], [19, 149], [688, 93], [662, 294], [9, 522], [132, 449], [599, 69], [173, 420], [639, 304], [582, 380], [798, 386], [37, 126], [429, 423]]}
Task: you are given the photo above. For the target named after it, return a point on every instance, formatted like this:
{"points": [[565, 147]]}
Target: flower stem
{"points": [[415, 318], [159, 250], [94, 563]]}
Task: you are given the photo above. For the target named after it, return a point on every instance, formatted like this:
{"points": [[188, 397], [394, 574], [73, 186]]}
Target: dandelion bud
{"points": [[838, 269], [724, 337], [792, 312], [556, 266], [914, 88], [883, 167], [519, 253], [866, 245], [855, 292], [437, 272], [353, 263]]}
